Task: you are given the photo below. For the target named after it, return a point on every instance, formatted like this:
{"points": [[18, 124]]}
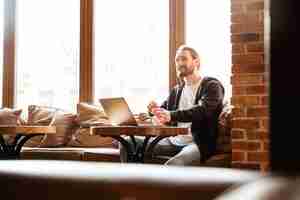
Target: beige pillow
{"points": [[89, 114], [64, 121], [12, 117]]}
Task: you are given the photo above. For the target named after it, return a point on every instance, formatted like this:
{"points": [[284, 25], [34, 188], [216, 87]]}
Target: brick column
{"points": [[250, 137]]}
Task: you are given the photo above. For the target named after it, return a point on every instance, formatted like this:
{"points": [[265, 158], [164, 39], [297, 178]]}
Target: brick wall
{"points": [[250, 137]]}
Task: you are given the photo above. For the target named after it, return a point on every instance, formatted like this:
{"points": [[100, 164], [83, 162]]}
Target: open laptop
{"points": [[118, 112]]}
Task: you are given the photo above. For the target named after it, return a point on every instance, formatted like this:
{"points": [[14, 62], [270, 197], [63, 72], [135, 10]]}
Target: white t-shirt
{"points": [[186, 101]]}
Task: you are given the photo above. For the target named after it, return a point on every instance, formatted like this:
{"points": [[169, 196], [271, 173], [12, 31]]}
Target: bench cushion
{"points": [[52, 153], [102, 154], [69, 153]]}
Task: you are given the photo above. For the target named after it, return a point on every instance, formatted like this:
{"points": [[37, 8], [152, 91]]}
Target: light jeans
{"points": [[181, 155]]}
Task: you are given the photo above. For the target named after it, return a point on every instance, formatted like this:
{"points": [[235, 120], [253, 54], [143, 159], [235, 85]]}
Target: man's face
{"points": [[185, 63]]}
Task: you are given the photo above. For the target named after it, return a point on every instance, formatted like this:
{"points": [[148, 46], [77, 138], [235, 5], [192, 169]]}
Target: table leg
{"points": [[135, 152], [2, 144], [149, 150], [12, 151], [130, 150], [141, 150]]}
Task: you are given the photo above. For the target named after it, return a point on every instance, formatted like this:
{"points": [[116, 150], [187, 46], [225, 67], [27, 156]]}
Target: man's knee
{"points": [[176, 161], [186, 157]]}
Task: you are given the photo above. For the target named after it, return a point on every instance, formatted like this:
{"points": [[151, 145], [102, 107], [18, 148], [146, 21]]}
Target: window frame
{"points": [[86, 75]]}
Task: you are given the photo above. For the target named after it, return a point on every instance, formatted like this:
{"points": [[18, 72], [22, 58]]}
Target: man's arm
{"points": [[206, 106]]}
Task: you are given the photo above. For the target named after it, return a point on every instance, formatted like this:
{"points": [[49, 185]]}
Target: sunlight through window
{"points": [[1, 46], [132, 51], [208, 31], [47, 53]]}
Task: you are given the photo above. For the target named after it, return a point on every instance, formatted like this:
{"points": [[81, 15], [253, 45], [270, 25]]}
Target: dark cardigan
{"points": [[203, 115]]}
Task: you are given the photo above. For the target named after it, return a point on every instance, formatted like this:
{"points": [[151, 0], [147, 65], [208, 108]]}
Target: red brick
{"points": [[239, 90], [245, 100], [261, 17], [266, 146], [254, 146], [253, 135], [248, 68], [238, 49], [241, 145], [237, 134], [255, 48], [258, 111], [265, 124], [249, 89], [237, 18], [255, 6], [265, 100], [246, 79], [246, 18], [248, 166], [246, 37], [256, 89], [257, 135], [257, 156], [246, 28], [238, 112], [266, 77], [261, 37], [236, 7], [247, 59], [246, 123], [238, 156]]}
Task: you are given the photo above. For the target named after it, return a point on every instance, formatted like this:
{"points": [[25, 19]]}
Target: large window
{"points": [[47, 53], [132, 51], [1, 46], [208, 30]]}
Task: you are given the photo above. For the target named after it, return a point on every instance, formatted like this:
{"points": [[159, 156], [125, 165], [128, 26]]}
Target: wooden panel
{"points": [[27, 130], [177, 35], [9, 54], [86, 89]]}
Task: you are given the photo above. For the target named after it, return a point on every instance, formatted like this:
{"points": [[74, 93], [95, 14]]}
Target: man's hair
{"points": [[192, 51]]}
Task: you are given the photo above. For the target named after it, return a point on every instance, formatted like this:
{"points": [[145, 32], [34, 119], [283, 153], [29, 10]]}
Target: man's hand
{"points": [[151, 106], [162, 115]]}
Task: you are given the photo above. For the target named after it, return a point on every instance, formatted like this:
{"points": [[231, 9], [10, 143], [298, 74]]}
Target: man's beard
{"points": [[184, 71]]}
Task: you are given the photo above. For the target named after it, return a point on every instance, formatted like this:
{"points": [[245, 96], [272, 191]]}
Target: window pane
{"points": [[132, 51], [1, 47], [48, 53], [211, 37]]}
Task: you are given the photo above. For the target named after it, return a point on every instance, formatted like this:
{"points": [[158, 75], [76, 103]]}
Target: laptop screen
{"points": [[118, 112]]}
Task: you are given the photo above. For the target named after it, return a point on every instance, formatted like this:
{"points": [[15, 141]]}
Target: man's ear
{"points": [[197, 62]]}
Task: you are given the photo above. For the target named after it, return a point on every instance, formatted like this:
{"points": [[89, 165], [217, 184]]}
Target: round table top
{"points": [[146, 130]]}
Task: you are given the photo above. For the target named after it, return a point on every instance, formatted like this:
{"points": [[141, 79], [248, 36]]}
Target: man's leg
{"points": [[186, 156], [166, 148]]}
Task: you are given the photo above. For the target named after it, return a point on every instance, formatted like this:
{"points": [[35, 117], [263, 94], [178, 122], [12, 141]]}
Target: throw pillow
{"points": [[12, 117], [64, 121], [90, 115]]}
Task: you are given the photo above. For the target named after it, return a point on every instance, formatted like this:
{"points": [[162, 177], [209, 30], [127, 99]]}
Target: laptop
{"points": [[118, 112]]}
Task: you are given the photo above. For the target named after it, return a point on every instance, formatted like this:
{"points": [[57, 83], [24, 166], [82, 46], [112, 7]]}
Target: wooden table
{"points": [[136, 153], [22, 134]]}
